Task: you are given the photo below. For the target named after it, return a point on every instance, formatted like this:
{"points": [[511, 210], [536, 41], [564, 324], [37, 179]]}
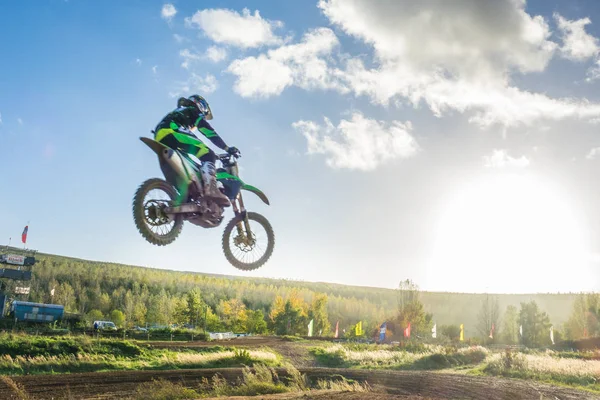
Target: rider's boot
{"points": [[210, 185]]}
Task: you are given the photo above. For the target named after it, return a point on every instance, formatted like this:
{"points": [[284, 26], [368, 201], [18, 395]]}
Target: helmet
{"points": [[198, 102]]}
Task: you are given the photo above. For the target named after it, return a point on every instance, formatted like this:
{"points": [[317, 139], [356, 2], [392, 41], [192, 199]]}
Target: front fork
{"points": [[243, 237]]}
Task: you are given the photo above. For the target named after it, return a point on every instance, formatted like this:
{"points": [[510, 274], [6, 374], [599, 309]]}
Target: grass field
{"points": [[27, 355], [576, 369], [34, 355]]}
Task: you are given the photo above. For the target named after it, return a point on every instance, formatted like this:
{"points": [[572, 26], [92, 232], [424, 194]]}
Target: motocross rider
{"points": [[175, 131]]}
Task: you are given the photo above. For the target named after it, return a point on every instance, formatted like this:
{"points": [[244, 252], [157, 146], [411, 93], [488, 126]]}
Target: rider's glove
{"points": [[233, 151]]}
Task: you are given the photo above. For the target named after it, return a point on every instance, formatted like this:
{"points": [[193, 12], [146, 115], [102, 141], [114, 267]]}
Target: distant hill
{"points": [[83, 285]]}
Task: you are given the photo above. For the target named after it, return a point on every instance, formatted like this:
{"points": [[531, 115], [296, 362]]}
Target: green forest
{"points": [[131, 295]]}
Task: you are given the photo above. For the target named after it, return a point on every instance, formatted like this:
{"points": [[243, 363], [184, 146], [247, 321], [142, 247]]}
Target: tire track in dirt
{"points": [[111, 385]]}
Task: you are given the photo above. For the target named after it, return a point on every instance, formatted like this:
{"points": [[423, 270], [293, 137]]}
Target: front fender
{"points": [[257, 192]]}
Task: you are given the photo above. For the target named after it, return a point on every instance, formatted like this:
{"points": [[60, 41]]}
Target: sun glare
{"points": [[513, 233]]}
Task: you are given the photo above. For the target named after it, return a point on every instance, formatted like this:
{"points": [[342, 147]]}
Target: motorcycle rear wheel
{"points": [[149, 214]]}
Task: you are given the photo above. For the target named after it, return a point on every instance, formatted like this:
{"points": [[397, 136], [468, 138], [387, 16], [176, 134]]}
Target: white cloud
{"points": [[359, 143], [578, 45], [216, 54], [138, 61], [303, 64], [168, 11], [196, 84], [593, 73], [188, 57], [462, 37], [244, 30], [593, 153], [0, 118], [501, 159], [488, 102], [178, 38], [19, 120], [453, 56], [155, 69]]}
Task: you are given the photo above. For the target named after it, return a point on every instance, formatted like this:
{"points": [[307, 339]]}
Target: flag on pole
{"points": [[492, 332], [358, 329], [382, 330], [462, 332], [521, 330], [310, 327], [434, 331], [552, 334], [24, 234], [407, 331], [337, 329]]}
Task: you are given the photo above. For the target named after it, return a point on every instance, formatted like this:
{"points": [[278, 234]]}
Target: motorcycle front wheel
{"points": [[248, 243], [151, 198]]}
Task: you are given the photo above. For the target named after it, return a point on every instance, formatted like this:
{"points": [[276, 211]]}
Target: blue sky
{"points": [[461, 150]]}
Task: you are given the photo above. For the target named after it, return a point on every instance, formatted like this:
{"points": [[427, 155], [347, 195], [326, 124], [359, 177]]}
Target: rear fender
{"points": [[157, 147]]}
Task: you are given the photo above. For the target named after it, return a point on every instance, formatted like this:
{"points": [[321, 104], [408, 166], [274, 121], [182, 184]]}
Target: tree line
{"points": [[133, 296]]}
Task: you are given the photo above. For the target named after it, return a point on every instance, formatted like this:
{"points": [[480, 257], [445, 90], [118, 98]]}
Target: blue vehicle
{"points": [[38, 312]]}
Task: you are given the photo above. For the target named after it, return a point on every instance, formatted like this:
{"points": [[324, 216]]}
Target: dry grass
{"points": [[548, 367], [343, 386], [207, 358], [388, 356], [367, 357], [152, 360], [161, 389], [563, 366], [16, 388]]}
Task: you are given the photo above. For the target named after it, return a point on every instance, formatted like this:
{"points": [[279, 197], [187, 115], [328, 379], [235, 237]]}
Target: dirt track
{"points": [[119, 385]]}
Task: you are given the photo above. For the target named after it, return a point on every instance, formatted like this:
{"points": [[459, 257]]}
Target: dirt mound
{"points": [[402, 384]]}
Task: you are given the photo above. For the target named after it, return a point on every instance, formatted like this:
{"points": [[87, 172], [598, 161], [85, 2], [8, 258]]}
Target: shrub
{"points": [[161, 389], [242, 356], [329, 358]]}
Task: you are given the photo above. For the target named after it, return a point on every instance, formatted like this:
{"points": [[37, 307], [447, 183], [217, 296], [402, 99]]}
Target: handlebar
{"points": [[227, 156]]}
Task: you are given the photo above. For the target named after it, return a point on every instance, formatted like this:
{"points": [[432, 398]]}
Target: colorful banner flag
{"points": [[382, 330], [492, 332], [552, 334], [434, 331], [310, 327], [24, 234], [358, 329], [462, 332], [337, 329], [407, 331]]}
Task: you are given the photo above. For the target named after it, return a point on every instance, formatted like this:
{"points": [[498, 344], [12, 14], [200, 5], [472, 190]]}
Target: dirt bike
{"points": [[160, 220]]}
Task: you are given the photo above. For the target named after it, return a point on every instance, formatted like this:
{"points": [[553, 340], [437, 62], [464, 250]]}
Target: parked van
{"points": [[104, 326]]}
